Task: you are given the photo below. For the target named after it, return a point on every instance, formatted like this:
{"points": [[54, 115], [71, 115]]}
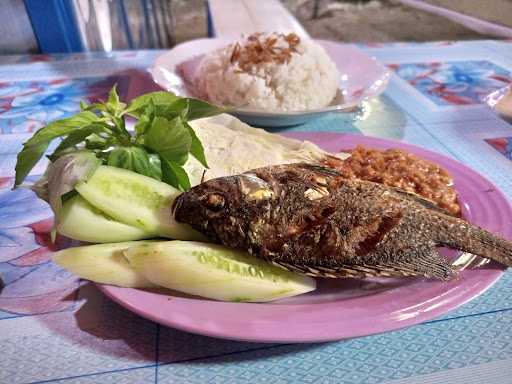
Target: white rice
{"points": [[308, 80]]}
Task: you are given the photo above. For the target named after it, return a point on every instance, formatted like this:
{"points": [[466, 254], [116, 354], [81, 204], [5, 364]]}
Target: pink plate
{"points": [[341, 308]]}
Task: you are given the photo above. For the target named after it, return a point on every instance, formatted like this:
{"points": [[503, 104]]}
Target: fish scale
{"points": [[308, 219]]}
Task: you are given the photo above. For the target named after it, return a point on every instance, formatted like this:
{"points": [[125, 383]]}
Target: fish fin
{"points": [[292, 173], [426, 203], [320, 169], [425, 262], [459, 234], [340, 271]]}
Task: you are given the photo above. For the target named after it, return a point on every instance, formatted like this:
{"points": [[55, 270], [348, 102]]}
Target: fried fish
{"points": [[307, 218]]}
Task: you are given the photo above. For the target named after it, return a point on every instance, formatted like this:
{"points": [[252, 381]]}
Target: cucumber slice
{"points": [[102, 263], [215, 272], [81, 221], [135, 200]]}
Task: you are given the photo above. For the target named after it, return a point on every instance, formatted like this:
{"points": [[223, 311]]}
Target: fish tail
{"points": [[459, 234]]}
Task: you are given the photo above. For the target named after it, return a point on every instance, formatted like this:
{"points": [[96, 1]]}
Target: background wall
{"points": [[16, 35]]}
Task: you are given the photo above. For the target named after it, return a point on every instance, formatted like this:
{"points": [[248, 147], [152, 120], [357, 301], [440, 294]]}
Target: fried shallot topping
{"points": [[262, 48]]}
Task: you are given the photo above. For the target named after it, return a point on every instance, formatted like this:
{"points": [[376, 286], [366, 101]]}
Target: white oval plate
{"points": [[361, 78]]}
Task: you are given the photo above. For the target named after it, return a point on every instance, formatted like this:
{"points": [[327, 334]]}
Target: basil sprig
{"points": [[158, 148]]}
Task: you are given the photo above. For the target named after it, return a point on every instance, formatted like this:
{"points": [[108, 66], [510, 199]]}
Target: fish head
{"points": [[221, 208], [206, 202]]}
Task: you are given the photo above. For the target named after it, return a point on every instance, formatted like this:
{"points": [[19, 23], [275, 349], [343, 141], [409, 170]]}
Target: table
{"points": [[251, 16], [54, 328]]}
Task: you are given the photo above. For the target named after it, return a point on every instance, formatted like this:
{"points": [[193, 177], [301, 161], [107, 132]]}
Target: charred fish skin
{"points": [[308, 219]]}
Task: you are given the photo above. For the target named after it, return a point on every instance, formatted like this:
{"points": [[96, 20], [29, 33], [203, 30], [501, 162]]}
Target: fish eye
{"points": [[213, 201]]}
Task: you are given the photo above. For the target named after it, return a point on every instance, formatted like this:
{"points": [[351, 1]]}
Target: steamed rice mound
{"points": [[270, 72]]}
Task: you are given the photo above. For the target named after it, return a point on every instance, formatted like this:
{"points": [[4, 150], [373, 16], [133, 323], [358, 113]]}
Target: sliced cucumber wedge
{"points": [[215, 272], [102, 263], [81, 221], [136, 200]]}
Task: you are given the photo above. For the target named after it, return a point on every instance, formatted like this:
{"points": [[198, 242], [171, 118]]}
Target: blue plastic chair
{"points": [[56, 25]]}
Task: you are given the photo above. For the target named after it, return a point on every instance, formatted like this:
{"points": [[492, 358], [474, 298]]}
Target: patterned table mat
{"points": [[54, 328]]}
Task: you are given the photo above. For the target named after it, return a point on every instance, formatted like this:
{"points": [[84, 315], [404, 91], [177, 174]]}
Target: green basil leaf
{"points": [[173, 110], [68, 196], [156, 165], [135, 159], [95, 106], [188, 109], [139, 104], [27, 159], [197, 109], [113, 97], [144, 121], [169, 138], [63, 127], [113, 104], [74, 138], [142, 124], [175, 175], [34, 148], [95, 141], [196, 148]]}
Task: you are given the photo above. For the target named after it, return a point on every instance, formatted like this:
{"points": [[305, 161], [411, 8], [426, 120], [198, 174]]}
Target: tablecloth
{"points": [[54, 328]]}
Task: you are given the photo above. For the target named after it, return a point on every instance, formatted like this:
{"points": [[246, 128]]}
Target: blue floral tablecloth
{"points": [[54, 328]]}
